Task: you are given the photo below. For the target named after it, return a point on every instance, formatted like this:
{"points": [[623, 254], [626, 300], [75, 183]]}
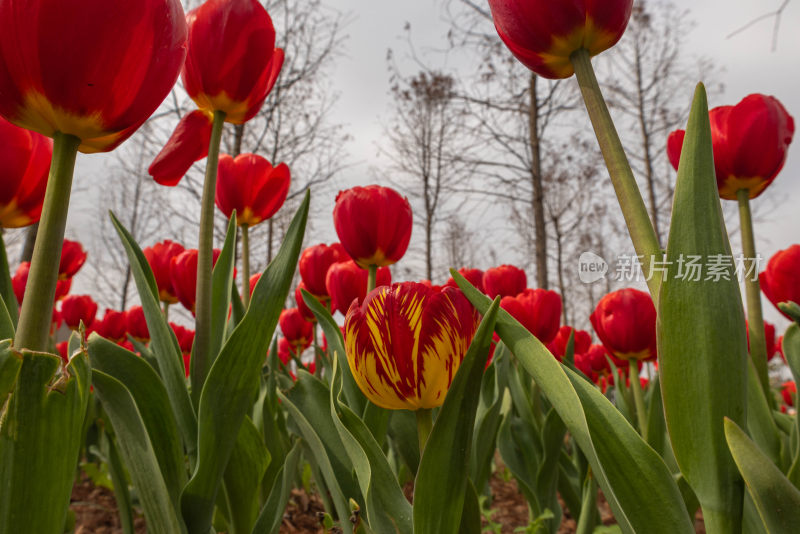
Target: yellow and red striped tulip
{"points": [[405, 343]]}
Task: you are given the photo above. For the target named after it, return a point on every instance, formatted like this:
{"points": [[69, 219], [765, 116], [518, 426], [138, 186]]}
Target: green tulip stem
{"points": [[644, 237], [317, 359], [33, 330], [165, 309], [638, 397], [201, 360], [245, 266], [755, 318], [424, 426], [373, 274]]}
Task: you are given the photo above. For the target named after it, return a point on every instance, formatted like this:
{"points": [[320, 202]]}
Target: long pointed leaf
{"points": [[163, 343], [702, 347], [232, 384], [221, 286], [271, 516], [6, 289], [243, 475], [642, 494], [777, 500]]}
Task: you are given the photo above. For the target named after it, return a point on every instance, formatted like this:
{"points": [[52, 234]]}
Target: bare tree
{"points": [[649, 78]]}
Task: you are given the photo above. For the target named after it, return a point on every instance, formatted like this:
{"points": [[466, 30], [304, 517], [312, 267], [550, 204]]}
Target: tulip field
{"points": [[226, 400]]}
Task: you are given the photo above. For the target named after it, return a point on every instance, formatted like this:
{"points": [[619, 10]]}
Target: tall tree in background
{"points": [[649, 77], [425, 147]]}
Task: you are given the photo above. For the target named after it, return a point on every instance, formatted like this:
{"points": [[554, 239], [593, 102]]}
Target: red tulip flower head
{"points": [[625, 321], [788, 392], [253, 281], [751, 141], [406, 342], [305, 311], [314, 264], [373, 224], [474, 277], [159, 256], [20, 280], [505, 281], [77, 308], [780, 281], [185, 337], [347, 282], [95, 69], [250, 185], [558, 347], [72, 259], [543, 34], [183, 273], [232, 62], [769, 336], [25, 163], [113, 326], [539, 310], [136, 324], [296, 329]]}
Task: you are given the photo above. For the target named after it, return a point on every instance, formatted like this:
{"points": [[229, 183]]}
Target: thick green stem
{"points": [[201, 359], [752, 288], [245, 266], [640, 227], [373, 274], [37, 306], [424, 426], [638, 398]]}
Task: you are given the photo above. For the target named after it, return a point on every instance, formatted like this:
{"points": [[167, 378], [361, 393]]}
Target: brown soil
{"points": [[96, 510]]}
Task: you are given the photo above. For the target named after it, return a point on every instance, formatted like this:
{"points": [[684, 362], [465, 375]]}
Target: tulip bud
{"points": [[406, 342], [159, 256], [250, 185], [113, 326], [25, 160], [346, 282], [136, 324], [504, 281], [625, 321], [543, 34], [296, 329], [78, 308], [314, 264], [373, 224], [72, 259]]}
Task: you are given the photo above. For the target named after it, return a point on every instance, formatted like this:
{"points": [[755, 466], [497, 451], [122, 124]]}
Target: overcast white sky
{"points": [[360, 78]]}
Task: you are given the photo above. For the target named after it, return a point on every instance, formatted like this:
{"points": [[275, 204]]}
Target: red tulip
{"points": [[769, 335], [253, 281], [314, 264], [183, 273], [159, 256], [232, 62], [430, 285], [187, 144], [558, 347], [347, 282], [474, 277], [113, 326], [538, 310], [305, 311], [77, 308], [751, 140], [789, 391], [95, 69], [25, 160], [406, 342], [296, 329], [285, 351], [505, 281], [63, 350], [625, 321], [20, 280], [373, 224], [137, 324], [250, 185], [72, 259], [780, 281], [185, 337], [543, 34]]}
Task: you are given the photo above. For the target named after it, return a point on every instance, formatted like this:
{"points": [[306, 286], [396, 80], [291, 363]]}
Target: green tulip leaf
{"points": [[442, 479], [271, 516], [637, 484], [7, 296], [775, 498], [242, 479], [10, 363], [702, 347], [221, 285]]}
